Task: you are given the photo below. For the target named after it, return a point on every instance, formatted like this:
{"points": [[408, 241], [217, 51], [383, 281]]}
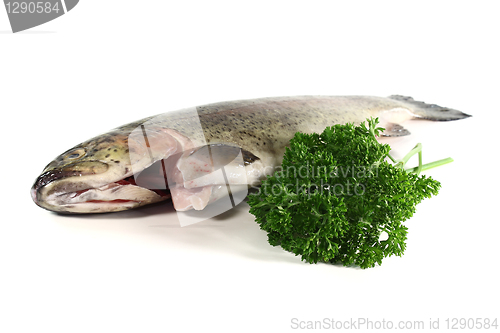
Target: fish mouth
{"points": [[82, 189]]}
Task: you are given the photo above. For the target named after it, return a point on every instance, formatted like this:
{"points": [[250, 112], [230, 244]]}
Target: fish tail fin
{"points": [[430, 111]]}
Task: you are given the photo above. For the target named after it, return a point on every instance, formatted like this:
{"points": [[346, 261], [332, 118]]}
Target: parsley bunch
{"points": [[339, 197]]}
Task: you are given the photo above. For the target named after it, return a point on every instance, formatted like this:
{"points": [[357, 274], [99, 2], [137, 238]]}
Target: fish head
{"points": [[95, 176], [134, 166]]}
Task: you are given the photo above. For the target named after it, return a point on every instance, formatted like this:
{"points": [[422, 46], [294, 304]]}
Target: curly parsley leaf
{"points": [[339, 197]]}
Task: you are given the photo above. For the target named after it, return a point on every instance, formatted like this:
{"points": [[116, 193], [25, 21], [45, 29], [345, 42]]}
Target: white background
{"points": [[106, 63]]}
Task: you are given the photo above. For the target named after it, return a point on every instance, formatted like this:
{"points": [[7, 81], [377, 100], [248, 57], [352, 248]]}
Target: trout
{"points": [[179, 155]]}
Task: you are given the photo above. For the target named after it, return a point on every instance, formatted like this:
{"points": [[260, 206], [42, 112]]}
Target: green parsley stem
{"points": [[392, 158], [431, 165]]}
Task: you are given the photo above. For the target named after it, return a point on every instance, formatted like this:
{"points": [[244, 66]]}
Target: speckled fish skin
{"points": [[85, 179]]}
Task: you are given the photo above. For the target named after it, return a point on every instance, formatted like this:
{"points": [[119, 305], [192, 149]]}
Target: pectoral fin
{"points": [[392, 129]]}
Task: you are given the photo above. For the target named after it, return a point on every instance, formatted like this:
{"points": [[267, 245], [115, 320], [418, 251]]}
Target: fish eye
{"points": [[74, 154]]}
